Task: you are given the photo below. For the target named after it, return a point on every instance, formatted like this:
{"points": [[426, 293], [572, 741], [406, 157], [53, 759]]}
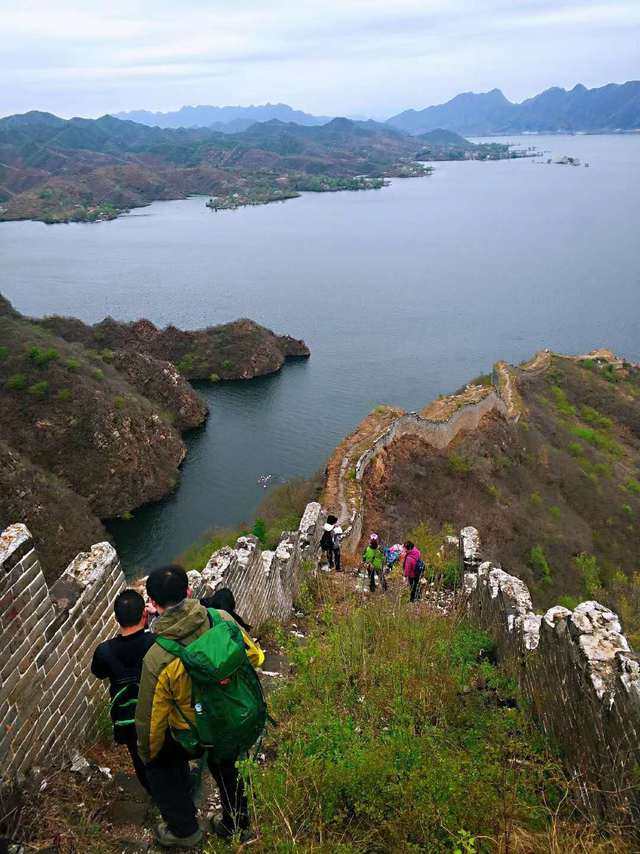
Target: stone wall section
{"points": [[264, 583], [438, 434], [47, 693], [49, 701], [576, 670]]}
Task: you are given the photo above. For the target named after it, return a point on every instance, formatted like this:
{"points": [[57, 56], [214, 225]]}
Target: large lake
{"points": [[402, 294]]}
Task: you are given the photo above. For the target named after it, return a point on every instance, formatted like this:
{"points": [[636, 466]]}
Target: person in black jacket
{"points": [[120, 661]]}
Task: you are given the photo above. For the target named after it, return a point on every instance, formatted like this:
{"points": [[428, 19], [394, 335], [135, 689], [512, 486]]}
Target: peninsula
{"points": [[91, 416]]}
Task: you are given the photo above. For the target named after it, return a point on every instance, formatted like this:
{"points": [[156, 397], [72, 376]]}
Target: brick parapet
{"points": [[47, 696]]}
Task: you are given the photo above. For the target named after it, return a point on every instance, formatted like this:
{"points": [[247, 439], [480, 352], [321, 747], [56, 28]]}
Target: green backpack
{"points": [[230, 709]]}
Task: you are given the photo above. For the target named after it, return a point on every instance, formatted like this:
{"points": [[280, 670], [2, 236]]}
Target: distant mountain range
{"points": [[615, 107], [224, 119]]}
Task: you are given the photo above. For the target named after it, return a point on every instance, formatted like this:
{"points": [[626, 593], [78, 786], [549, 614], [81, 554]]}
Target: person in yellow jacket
{"points": [[164, 697]]}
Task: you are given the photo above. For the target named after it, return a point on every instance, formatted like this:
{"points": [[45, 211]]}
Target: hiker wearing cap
{"points": [[198, 695], [120, 661], [373, 559]]}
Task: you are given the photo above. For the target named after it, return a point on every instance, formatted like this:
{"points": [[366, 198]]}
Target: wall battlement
{"points": [[461, 412], [49, 701], [575, 668]]}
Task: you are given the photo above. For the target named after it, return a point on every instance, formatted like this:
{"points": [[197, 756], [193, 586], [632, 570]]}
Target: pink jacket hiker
{"points": [[410, 560]]}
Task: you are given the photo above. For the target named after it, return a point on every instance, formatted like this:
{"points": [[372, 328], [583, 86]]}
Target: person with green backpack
{"points": [[199, 695]]}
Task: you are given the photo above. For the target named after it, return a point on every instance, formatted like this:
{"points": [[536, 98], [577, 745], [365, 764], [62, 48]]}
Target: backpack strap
{"points": [[170, 646]]}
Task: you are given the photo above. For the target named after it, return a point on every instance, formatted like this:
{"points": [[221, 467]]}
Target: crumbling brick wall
{"points": [[47, 694], [577, 671], [49, 700]]}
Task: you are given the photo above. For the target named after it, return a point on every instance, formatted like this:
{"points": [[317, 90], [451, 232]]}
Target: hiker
{"points": [[373, 558], [171, 730], [336, 536], [120, 661], [330, 542], [413, 568], [224, 600], [326, 540]]}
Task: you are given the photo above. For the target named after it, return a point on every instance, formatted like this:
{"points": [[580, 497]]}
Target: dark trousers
{"points": [[336, 558], [328, 553], [170, 786], [415, 588], [138, 764], [372, 578], [235, 811]]}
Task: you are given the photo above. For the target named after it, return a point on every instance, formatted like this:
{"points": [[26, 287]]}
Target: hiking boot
{"points": [[166, 839]]}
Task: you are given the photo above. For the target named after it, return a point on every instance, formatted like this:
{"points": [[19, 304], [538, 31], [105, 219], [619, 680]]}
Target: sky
{"points": [[362, 58]]}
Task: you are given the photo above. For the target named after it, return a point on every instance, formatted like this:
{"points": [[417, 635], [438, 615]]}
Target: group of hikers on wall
{"points": [[378, 560], [185, 693]]}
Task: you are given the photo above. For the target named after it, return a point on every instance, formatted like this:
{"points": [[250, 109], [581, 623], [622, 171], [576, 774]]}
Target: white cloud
{"points": [[329, 56]]}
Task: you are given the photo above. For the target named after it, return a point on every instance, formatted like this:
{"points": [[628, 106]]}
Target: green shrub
{"points": [[627, 508], [64, 394], [186, 364], [598, 439], [459, 465], [39, 389], [42, 357], [119, 402], [536, 499], [587, 566], [227, 365], [593, 417], [259, 530], [554, 510], [576, 450], [97, 374], [538, 562], [214, 378], [4, 352], [562, 404], [106, 355], [633, 486], [16, 382], [570, 602], [72, 364]]}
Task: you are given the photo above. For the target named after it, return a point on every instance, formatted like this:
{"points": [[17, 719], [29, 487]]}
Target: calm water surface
{"points": [[401, 294]]}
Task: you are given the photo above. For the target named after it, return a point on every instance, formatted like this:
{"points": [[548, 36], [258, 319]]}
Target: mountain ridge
{"points": [[206, 115], [612, 107]]}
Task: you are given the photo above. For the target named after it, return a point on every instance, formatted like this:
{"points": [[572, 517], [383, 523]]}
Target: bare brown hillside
{"points": [[556, 495]]}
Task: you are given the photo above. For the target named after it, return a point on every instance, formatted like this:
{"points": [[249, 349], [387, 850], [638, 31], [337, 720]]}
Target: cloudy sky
{"points": [[337, 57]]}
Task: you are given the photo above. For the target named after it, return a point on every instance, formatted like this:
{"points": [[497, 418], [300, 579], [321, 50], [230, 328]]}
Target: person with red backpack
{"points": [[413, 569], [199, 695]]}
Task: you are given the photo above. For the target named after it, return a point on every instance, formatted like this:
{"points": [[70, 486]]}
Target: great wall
{"points": [[575, 668], [49, 701]]}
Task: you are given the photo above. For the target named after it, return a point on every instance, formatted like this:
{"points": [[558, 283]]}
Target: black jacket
{"points": [[120, 661]]}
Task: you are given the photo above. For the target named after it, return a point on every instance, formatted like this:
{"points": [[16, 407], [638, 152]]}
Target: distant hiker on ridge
{"points": [[120, 661]]}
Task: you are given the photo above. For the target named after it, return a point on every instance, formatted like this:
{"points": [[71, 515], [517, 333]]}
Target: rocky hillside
{"points": [[556, 492], [90, 417], [87, 169]]}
